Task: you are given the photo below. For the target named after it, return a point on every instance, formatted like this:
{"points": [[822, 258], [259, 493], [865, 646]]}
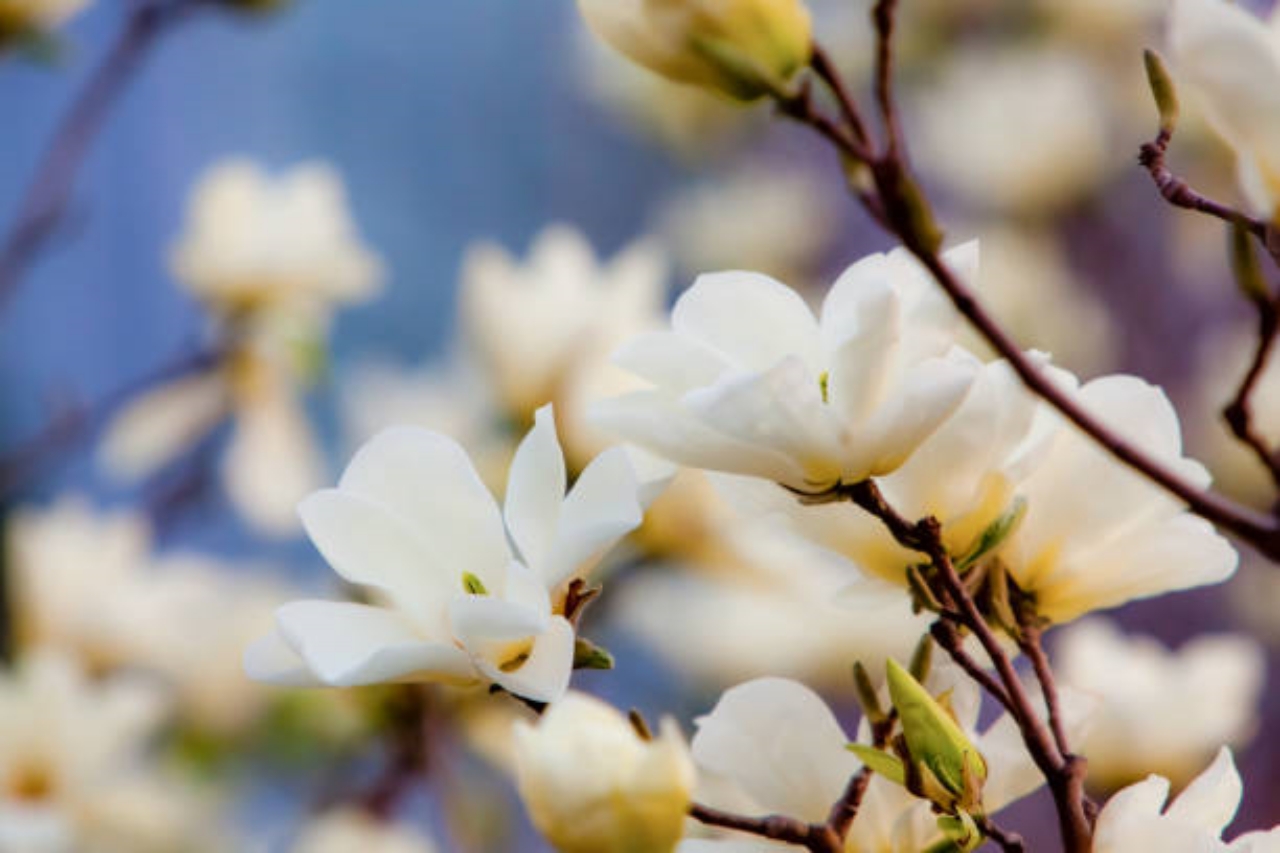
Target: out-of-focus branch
{"points": [[815, 837], [1239, 412], [44, 204]]}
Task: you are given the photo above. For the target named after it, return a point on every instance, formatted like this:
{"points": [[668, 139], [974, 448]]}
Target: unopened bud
{"points": [[1162, 89]]}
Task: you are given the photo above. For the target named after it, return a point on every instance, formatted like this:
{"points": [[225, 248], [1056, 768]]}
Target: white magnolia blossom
{"points": [[542, 329], [749, 381], [1160, 711], [74, 771], [87, 583], [347, 830], [772, 746], [1000, 124], [270, 258], [24, 18], [592, 785], [793, 220], [411, 520], [1229, 60], [1138, 818]]}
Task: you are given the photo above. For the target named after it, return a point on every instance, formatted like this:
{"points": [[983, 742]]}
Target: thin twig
{"points": [[815, 837], [884, 15], [1239, 412], [950, 642], [826, 70], [45, 201], [1010, 842], [1029, 642]]}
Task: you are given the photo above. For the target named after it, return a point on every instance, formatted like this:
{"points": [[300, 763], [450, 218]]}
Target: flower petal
{"points": [[1212, 798], [750, 319], [545, 675], [535, 490], [603, 506], [161, 424], [272, 660]]}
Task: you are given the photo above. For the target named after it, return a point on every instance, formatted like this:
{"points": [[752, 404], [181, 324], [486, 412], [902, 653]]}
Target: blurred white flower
{"points": [[1160, 711], [743, 48], [1027, 283], [1138, 819], [772, 746], [748, 381], [411, 520], [73, 769], [270, 258], [1014, 130], [1229, 61], [348, 830], [1113, 20], [542, 330], [776, 222], [1096, 534], [592, 785], [21, 19]]}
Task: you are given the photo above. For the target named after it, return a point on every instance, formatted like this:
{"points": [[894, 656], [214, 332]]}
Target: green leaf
{"points": [[587, 655], [887, 765], [994, 535], [867, 696]]}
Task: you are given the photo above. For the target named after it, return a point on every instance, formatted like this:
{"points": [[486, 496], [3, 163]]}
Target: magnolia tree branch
{"points": [[44, 204], [1239, 412], [897, 204]]}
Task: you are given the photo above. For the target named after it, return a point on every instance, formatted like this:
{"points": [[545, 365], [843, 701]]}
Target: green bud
{"points": [[994, 535], [1162, 89], [922, 658], [938, 748], [922, 597], [961, 831], [473, 585], [1245, 266], [587, 655]]}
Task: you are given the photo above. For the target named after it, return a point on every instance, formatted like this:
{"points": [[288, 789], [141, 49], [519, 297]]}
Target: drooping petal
{"points": [[535, 490], [347, 644], [603, 506], [750, 319], [780, 742], [427, 480]]}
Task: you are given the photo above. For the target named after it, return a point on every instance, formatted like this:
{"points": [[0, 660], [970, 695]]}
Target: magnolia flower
{"points": [[71, 766], [23, 19], [1230, 62], [1138, 819], [541, 330], [593, 786], [772, 746], [411, 520], [744, 48], [269, 259], [347, 830], [1160, 712], [1001, 124], [748, 381], [792, 223]]}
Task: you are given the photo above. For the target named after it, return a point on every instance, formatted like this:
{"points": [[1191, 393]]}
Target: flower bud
{"points": [[592, 785], [743, 48]]}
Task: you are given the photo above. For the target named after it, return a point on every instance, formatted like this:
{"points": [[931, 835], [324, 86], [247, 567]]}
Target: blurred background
{"points": [[458, 125]]}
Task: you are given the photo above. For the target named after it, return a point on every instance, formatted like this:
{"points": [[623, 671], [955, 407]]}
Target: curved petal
{"points": [[750, 319], [780, 742], [367, 545], [658, 422], [270, 659], [535, 490], [603, 506], [1212, 798], [671, 361], [347, 644], [544, 676], [479, 620], [427, 481]]}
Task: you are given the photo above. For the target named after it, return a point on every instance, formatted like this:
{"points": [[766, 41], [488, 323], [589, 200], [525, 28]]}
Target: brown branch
{"points": [[826, 70], [845, 810], [1010, 842], [884, 15], [950, 641], [44, 204], [1029, 642], [815, 837], [1239, 412]]}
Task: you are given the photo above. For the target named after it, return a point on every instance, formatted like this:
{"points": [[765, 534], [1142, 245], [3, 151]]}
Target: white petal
{"points": [[535, 490], [659, 423], [366, 545], [780, 410], [862, 358], [478, 620], [348, 644], [160, 425], [545, 676], [272, 463], [272, 660], [672, 361], [780, 742], [1212, 798], [860, 302], [750, 319], [428, 482], [603, 506]]}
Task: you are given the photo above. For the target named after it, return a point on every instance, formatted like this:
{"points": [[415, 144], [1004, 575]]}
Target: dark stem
{"points": [[827, 73], [840, 819], [45, 201], [815, 837], [1239, 412], [1010, 842], [884, 15], [952, 643], [1029, 642]]}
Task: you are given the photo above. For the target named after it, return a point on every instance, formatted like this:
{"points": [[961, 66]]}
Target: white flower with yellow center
{"points": [[749, 381], [411, 521]]}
